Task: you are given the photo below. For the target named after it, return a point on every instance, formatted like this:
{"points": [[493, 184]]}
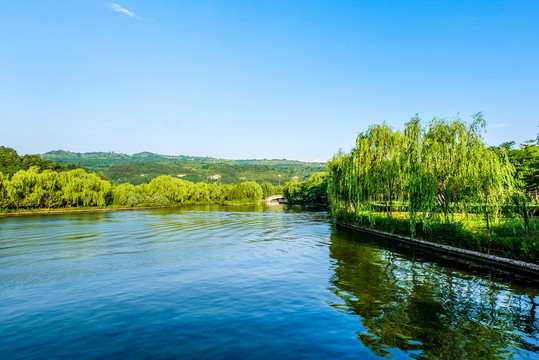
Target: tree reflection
{"points": [[429, 310]]}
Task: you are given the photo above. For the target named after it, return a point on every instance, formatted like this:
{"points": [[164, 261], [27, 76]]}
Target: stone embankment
{"points": [[526, 268]]}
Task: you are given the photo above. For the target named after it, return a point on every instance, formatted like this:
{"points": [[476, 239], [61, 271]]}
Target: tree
{"points": [[251, 190], [267, 189], [8, 157], [81, 188], [525, 159], [4, 183], [49, 184], [438, 169], [23, 190], [175, 190], [122, 193]]}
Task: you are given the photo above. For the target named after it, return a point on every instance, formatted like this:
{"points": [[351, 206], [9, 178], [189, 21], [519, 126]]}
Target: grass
{"points": [[507, 235]]}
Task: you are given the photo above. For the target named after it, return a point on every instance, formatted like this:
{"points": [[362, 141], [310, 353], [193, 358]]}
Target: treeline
{"points": [[103, 160], [33, 188], [11, 162], [439, 182], [312, 191], [140, 173], [525, 159], [144, 167]]}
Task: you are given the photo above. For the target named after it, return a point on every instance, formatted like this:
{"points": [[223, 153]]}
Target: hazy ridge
{"points": [[142, 167]]}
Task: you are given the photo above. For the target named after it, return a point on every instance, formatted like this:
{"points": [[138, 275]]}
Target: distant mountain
{"points": [[107, 159], [142, 167], [103, 160]]}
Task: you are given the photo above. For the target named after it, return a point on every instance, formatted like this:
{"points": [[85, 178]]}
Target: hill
{"points": [[143, 167], [11, 162]]}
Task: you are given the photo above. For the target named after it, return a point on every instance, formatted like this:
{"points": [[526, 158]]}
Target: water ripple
{"points": [[212, 282]]}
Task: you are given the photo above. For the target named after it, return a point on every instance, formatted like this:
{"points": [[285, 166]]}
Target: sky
{"points": [[259, 79]]}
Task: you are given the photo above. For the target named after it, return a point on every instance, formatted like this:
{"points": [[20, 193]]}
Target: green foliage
{"points": [[4, 182], [312, 191], [80, 188], [144, 167], [139, 173], [248, 190], [9, 157], [526, 162], [32, 188], [11, 162], [252, 190], [267, 189], [437, 174]]}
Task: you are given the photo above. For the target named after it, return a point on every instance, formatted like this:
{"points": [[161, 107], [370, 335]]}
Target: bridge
{"points": [[275, 199]]}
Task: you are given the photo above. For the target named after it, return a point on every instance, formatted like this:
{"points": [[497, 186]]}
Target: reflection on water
{"points": [[427, 310], [212, 282]]}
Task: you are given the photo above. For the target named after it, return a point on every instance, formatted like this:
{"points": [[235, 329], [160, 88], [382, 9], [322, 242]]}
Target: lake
{"points": [[215, 282]]}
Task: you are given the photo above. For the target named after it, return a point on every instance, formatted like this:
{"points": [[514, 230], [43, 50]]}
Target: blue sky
{"points": [[259, 79]]}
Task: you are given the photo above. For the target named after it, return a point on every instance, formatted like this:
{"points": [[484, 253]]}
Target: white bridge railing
{"points": [[274, 198]]}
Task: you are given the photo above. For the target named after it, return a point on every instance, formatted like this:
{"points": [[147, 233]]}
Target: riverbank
{"points": [[506, 237], [528, 268], [54, 211]]}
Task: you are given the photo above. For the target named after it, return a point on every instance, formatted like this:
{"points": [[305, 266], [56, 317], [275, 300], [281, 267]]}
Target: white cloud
{"points": [[118, 8]]}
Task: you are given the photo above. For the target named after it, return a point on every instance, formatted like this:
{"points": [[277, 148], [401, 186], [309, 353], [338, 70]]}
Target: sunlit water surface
{"points": [[212, 282]]}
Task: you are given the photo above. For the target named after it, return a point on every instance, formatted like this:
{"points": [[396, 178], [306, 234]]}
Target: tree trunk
{"points": [[391, 208], [486, 213], [446, 211], [526, 220]]}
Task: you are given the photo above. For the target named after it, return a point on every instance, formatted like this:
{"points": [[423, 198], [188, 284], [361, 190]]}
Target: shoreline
{"points": [[106, 209], [72, 211], [522, 267]]}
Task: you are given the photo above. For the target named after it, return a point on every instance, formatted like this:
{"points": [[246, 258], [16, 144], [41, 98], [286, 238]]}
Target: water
{"points": [[213, 282]]}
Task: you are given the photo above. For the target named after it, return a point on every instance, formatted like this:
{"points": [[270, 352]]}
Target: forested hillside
{"points": [[11, 162], [28, 182], [143, 167], [104, 160]]}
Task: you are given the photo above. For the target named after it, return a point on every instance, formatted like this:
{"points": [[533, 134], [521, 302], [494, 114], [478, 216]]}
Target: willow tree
{"points": [[81, 188], [470, 172], [446, 157], [23, 190], [437, 169], [373, 170], [175, 190], [336, 186], [252, 190], [489, 172], [343, 188], [419, 183], [122, 193], [385, 148], [267, 189], [3, 190], [49, 182], [494, 179], [202, 192]]}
